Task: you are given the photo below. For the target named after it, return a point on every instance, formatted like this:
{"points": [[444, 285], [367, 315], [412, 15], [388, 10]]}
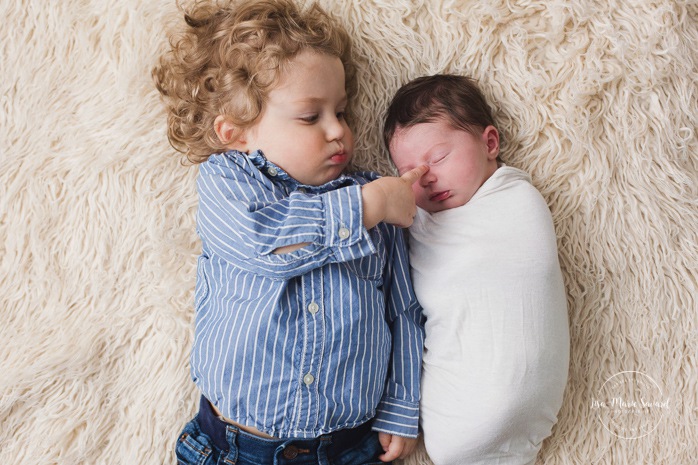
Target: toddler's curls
{"points": [[228, 58]]}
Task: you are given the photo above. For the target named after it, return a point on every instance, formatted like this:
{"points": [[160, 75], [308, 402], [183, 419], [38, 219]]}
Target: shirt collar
{"points": [[278, 176]]}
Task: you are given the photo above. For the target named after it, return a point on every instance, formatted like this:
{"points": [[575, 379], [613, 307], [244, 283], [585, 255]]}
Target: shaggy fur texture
{"points": [[597, 100]]}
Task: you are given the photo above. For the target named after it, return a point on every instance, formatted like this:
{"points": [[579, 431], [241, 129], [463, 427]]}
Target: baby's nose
{"points": [[427, 178]]}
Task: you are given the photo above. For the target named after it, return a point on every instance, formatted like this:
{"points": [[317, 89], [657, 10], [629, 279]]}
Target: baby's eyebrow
{"points": [[404, 169]]}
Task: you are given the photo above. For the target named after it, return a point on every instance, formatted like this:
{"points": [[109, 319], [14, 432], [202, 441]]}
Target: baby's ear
{"points": [[228, 132], [491, 138]]}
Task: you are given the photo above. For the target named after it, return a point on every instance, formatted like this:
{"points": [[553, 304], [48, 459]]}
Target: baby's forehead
{"points": [[421, 135]]}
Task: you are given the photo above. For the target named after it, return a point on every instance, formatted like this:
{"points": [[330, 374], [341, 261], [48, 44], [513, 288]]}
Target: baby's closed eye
{"points": [[439, 158]]}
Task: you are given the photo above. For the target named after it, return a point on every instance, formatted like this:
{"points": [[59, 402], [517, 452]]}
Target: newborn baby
{"points": [[485, 269]]}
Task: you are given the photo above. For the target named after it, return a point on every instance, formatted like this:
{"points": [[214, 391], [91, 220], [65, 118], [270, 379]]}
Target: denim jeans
{"points": [[207, 440]]}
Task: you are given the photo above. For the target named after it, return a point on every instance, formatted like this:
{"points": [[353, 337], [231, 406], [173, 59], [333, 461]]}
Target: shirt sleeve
{"points": [[398, 411], [242, 220]]}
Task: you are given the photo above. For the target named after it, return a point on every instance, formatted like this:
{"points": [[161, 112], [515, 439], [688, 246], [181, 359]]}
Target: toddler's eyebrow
{"points": [[316, 100]]}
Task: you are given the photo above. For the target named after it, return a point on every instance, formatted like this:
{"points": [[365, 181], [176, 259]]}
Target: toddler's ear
{"points": [[491, 137], [230, 135]]}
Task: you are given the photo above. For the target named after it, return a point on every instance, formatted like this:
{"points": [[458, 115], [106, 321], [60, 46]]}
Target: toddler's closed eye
{"points": [[309, 118]]}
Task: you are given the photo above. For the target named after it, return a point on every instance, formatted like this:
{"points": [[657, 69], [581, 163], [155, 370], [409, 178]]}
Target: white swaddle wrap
{"points": [[497, 337]]}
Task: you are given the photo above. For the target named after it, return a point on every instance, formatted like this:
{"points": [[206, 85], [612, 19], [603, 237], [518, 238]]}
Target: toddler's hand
{"points": [[395, 447], [391, 199]]}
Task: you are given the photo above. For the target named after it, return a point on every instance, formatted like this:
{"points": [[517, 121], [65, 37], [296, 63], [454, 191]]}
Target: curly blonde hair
{"points": [[229, 57]]}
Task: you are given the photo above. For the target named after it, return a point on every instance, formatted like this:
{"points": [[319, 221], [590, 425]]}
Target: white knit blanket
{"points": [[597, 100]]}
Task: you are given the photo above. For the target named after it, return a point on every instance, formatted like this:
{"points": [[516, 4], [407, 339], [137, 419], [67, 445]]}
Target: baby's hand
{"points": [[395, 447], [391, 199]]}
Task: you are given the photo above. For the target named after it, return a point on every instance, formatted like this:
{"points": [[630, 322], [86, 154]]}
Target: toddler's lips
{"points": [[339, 158], [440, 196]]}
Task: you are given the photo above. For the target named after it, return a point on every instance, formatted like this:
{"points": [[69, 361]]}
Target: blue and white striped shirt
{"points": [[308, 342]]}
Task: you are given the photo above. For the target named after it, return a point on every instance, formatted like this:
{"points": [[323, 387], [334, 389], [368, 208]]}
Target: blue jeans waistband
{"points": [[216, 429]]}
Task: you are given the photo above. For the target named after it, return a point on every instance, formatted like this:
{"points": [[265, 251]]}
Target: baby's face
{"points": [[303, 129], [459, 162]]}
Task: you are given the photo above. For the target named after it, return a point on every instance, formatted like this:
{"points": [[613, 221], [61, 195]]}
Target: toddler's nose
{"points": [[335, 130]]}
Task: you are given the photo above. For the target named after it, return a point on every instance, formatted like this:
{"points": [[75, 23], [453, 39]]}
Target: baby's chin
{"points": [[436, 207]]}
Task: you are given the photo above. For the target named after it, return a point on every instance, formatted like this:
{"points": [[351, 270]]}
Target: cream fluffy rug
{"points": [[597, 100]]}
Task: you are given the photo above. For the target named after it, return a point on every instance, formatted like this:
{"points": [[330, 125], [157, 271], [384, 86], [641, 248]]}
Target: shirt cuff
{"points": [[345, 231], [344, 216], [397, 417]]}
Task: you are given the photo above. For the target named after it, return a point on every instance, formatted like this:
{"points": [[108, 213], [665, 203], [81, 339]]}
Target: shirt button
{"points": [[308, 379], [272, 171], [313, 308], [344, 233], [301, 190]]}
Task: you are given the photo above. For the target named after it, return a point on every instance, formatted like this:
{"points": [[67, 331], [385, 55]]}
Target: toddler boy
{"points": [[308, 335]]}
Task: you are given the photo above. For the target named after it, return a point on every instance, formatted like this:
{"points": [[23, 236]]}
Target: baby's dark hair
{"points": [[227, 59], [457, 99]]}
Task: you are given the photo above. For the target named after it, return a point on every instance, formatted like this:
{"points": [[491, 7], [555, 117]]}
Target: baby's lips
{"points": [[440, 196]]}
